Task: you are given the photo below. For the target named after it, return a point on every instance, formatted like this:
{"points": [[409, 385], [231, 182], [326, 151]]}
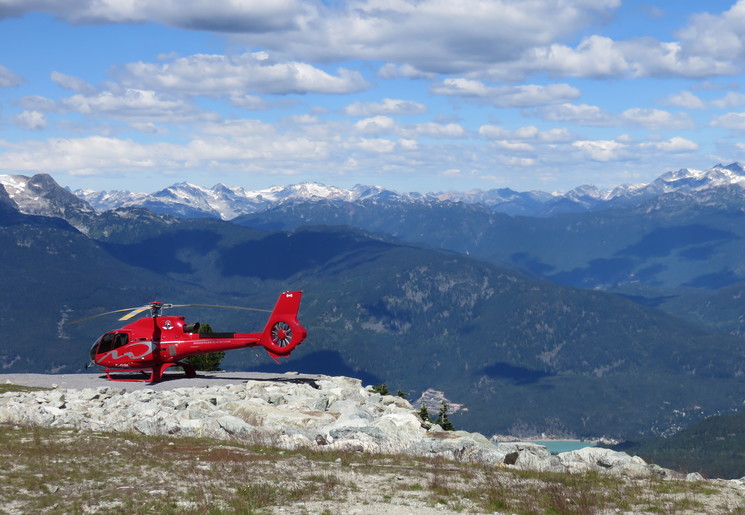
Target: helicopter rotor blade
{"points": [[104, 314], [215, 306], [134, 312]]}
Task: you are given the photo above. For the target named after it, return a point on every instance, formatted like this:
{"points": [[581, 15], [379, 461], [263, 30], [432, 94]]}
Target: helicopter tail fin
{"points": [[283, 332]]}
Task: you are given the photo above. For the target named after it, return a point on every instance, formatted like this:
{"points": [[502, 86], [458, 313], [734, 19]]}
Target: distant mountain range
{"points": [[220, 201], [674, 249], [418, 292], [655, 243]]}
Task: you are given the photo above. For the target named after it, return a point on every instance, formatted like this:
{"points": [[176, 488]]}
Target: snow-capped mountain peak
{"points": [[314, 190], [736, 168], [41, 195], [588, 191], [690, 180], [182, 190]]}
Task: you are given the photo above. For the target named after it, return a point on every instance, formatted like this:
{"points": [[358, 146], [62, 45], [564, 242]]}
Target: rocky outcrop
{"points": [[329, 412]]}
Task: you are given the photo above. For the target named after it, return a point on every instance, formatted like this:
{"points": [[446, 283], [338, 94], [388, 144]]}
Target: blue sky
{"points": [[412, 95]]}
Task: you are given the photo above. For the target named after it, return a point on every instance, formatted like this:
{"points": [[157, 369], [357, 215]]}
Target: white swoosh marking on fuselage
{"points": [[114, 354]]}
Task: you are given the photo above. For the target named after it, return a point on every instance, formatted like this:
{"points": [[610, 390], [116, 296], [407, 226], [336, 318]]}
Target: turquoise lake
{"points": [[557, 446]]}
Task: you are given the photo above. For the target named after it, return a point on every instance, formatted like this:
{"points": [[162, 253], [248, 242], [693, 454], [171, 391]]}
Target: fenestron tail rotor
{"points": [[281, 334]]}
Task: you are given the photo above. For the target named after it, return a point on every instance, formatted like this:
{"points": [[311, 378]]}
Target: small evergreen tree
{"points": [[402, 394], [382, 389], [424, 414], [206, 362], [442, 419]]}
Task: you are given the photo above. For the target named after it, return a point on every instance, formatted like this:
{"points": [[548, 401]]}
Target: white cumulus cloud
{"points": [[656, 119], [720, 36], [734, 121], [729, 100], [528, 132], [528, 95], [75, 84], [8, 79], [580, 114], [672, 145], [600, 150], [31, 120], [134, 105], [220, 75], [376, 125], [415, 36], [385, 107], [435, 130], [686, 99]]}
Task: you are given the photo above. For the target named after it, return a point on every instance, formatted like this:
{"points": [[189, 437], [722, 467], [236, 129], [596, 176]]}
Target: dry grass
{"points": [[64, 471]]}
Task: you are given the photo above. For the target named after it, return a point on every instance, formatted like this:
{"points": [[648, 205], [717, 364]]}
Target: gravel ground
{"points": [[170, 381]]}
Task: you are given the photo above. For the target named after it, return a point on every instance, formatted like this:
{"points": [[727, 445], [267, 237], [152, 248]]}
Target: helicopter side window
{"points": [[121, 339], [107, 342], [192, 328]]}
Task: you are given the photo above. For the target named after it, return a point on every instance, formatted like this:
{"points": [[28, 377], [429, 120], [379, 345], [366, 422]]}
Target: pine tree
{"points": [[424, 414], [442, 419], [382, 389]]}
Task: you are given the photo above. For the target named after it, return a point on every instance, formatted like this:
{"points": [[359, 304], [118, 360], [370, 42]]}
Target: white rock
{"points": [[234, 425], [333, 413], [599, 459]]}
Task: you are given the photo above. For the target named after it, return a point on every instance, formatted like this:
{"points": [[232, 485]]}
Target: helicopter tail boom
{"points": [[283, 331]]}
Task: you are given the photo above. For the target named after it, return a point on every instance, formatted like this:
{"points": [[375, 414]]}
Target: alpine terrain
{"points": [[588, 313]]}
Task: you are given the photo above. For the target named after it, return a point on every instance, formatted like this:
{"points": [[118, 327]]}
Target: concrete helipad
{"points": [[170, 381]]}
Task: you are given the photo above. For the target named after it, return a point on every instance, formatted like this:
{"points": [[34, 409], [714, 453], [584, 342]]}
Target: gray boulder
{"points": [[529, 456], [604, 460]]}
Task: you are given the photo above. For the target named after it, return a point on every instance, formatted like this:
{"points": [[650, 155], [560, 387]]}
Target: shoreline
{"points": [[554, 439]]}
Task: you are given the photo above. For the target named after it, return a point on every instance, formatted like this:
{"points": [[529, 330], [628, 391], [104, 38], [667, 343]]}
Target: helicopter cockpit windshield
{"points": [[109, 342]]}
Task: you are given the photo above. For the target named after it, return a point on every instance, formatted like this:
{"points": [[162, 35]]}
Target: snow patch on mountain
{"points": [[41, 195]]}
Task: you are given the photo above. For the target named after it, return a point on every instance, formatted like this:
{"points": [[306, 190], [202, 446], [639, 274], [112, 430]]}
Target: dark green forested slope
{"points": [[714, 447], [665, 243], [513, 350]]}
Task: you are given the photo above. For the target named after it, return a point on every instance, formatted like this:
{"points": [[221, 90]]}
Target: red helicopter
{"points": [[158, 342]]}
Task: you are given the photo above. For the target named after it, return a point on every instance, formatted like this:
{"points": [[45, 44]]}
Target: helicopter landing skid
{"points": [[156, 373]]}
